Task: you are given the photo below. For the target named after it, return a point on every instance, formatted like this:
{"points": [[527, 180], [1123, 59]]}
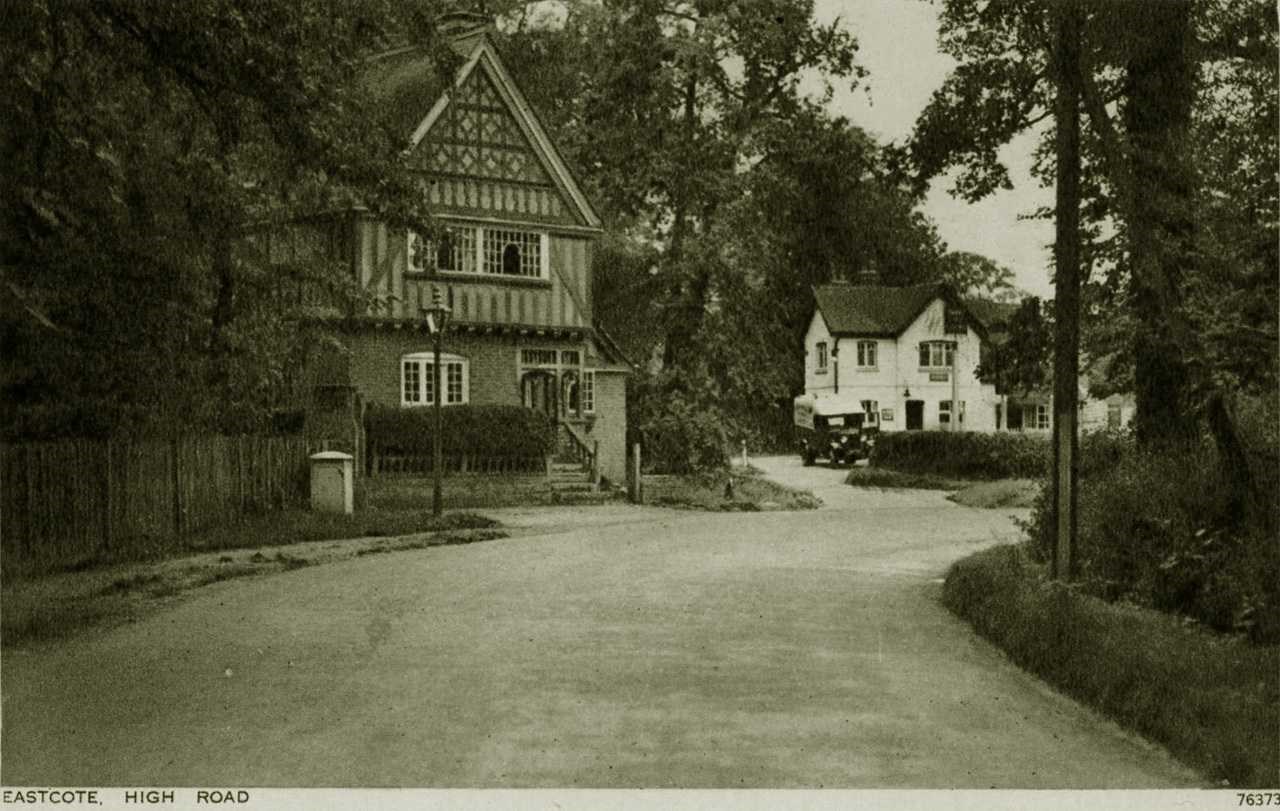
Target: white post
{"points": [[744, 453]]}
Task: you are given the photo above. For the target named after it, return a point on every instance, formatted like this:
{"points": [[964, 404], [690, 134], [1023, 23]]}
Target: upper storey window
{"points": [[484, 251]]}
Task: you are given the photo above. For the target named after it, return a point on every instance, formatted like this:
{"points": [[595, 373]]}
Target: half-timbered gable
{"points": [[512, 257]]}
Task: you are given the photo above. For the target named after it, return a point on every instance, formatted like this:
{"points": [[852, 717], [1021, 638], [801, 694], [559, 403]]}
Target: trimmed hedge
{"points": [[1213, 701], [475, 430], [1005, 455], [966, 454]]}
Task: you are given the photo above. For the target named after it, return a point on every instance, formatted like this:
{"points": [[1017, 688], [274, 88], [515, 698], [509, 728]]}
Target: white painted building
{"points": [[907, 355]]}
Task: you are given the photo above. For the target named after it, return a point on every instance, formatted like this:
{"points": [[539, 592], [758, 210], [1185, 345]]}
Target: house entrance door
{"points": [[915, 415], [538, 391]]}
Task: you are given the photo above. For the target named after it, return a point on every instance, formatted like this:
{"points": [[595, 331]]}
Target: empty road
{"points": [[608, 647]]}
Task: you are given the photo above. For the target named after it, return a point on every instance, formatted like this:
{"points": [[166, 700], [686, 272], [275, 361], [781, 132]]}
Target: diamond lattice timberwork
{"points": [[478, 136]]}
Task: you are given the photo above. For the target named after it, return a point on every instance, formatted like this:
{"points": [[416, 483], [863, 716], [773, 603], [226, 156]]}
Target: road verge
{"points": [[1212, 700]]}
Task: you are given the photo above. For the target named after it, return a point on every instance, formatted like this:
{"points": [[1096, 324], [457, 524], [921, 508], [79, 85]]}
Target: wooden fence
{"points": [[65, 502], [382, 464]]}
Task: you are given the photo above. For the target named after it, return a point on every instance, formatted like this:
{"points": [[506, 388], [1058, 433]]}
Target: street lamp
{"points": [[437, 316]]}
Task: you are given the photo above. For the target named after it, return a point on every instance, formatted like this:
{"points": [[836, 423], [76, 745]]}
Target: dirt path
{"points": [[641, 648]]}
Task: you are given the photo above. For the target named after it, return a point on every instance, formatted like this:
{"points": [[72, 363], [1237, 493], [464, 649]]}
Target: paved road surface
{"points": [[645, 647]]}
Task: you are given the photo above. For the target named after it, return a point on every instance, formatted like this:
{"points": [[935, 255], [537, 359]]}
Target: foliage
{"points": [[475, 430], [1157, 528], [1213, 702], [142, 144], [730, 192], [1180, 188], [963, 454], [706, 491], [678, 429], [1020, 361]]}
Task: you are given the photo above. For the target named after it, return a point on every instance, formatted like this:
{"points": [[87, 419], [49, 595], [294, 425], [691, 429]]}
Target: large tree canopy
{"points": [[140, 143], [1180, 179]]}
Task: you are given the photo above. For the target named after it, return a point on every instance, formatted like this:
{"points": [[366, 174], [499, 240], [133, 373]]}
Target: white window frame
{"points": [[1044, 417], [943, 351], [587, 391], [868, 354], [430, 382], [472, 256], [944, 412], [871, 408], [821, 358]]}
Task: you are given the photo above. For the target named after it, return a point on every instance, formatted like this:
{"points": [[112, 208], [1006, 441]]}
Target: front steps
{"points": [[570, 484]]}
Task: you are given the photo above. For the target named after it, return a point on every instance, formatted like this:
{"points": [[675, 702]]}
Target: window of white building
{"points": [[872, 409], [1043, 420], [937, 354], [821, 356], [944, 412], [866, 354]]}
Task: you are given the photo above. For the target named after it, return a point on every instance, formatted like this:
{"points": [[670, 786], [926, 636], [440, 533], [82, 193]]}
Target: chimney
{"points": [[461, 27], [868, 276]]}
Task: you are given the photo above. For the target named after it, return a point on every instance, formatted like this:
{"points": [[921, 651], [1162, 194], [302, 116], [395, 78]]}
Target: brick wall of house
{"points": [[611, 425], [375, 364]]}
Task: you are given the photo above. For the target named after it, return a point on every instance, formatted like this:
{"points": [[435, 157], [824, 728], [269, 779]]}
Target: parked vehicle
{"points": [[827, 430]]}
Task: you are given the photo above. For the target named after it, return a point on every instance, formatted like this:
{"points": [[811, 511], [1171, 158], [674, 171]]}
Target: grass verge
{"points": [[707, 491], [895, 479], [1212, 700], [55, 606], [966, 492], [998, 494]]}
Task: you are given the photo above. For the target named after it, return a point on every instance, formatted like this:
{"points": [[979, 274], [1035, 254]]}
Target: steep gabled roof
{"points": [[882, 311], [872, 310], [406, 82]]}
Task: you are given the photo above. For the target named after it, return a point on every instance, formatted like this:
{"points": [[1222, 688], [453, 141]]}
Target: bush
{"points": [[510, 431], [1156, 529], [1213, 702], [963, 454], [679, 437]]}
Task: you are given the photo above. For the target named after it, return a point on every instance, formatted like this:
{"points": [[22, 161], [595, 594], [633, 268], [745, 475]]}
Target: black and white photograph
{"points": [[876, 400]]}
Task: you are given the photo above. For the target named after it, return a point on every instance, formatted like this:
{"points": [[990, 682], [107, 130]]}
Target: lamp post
{"points": [[437, 316]]}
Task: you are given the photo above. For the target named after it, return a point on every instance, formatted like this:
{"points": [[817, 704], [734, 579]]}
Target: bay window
{"points": [[482, 251]]}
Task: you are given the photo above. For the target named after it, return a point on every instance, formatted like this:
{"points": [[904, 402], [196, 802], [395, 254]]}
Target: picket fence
{"points": [[70, 501]]}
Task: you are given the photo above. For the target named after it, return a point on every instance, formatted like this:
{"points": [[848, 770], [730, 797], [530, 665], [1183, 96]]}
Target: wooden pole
{"points": [[1066, 361], [637, 491]]}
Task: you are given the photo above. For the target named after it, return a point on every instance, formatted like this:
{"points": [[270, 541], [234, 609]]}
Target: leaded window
{"points": [[537, 357], [512, 253], [588, 392]]}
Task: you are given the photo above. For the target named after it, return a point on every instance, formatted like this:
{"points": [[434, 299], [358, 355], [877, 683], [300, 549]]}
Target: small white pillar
{"points": [[332, 488]]}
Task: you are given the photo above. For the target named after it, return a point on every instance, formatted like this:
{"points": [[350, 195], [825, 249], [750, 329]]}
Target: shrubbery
{"points": [[1213, 703], [964, 454], [475, 430], [1156, 529], [679, 437]]}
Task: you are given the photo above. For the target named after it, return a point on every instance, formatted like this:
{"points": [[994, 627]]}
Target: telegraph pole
{"points": [[1066, 352]]}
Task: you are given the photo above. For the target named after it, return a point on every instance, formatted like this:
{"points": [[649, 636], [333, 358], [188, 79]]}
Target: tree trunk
{"points": [[1160, 90]]}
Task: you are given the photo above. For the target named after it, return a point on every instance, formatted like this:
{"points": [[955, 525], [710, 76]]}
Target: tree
{"points": [[1151, 70], [141, 145]]}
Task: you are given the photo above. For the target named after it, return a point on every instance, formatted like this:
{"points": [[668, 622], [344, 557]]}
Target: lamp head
{"points": [[437, 314]]}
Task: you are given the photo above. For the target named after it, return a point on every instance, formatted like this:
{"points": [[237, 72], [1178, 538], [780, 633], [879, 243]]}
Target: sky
{"points": [[898, 46]]}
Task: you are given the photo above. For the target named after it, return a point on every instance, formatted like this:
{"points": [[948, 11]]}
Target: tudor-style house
{"points": [[515, 266], [905, 356]]}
